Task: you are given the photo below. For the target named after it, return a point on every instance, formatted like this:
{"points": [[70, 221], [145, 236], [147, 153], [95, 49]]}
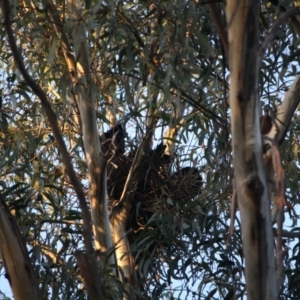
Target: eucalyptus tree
{"points": [[120, 122]]}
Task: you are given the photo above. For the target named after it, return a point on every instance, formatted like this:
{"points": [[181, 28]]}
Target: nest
{"points": [[157, 187]]}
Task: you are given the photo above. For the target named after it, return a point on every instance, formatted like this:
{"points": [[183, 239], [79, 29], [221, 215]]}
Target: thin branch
{"points": [[280, 203], [53, 122], [47, 251], [286, 112], [189, 99], [132, 179], [184, 95], [85, 269], [281, 20], [220, 27], [234, 204], [58, 26], [120, 212], [279, 251], [289, 234], [293, 18]]}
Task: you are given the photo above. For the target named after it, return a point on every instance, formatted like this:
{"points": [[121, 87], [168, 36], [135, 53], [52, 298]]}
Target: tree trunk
{"points": [[249, 168]]}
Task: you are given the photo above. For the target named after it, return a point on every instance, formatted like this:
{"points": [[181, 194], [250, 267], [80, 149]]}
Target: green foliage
{"points": [[143, 57]]}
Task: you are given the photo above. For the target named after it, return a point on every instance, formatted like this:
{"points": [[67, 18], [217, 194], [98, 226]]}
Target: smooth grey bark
{"points": [[85, 98], [249, 168]]}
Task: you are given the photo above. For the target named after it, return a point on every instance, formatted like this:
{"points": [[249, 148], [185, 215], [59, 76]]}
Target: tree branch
{"points": [[289, 234], [120, 213], [15, 257], [87, 236], [288, 14], [84, 91], [217, 17], [285, 112], [293, 18], [249, 169]]}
